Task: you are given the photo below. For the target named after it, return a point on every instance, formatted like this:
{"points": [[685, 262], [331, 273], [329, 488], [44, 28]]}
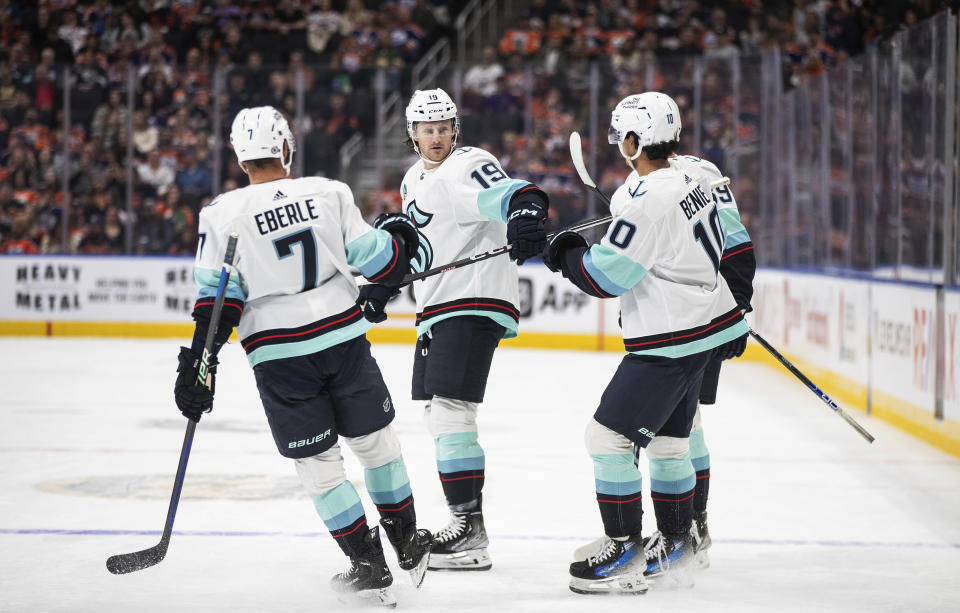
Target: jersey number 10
{"points": [[701, 235]]}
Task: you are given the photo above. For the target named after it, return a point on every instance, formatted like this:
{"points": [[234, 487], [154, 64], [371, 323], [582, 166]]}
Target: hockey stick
{"points": [[130, 562], [486, 255], [576, 155], [813, 388]]}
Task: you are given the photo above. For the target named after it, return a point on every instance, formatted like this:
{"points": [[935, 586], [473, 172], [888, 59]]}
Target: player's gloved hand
{"points": [[194, 400], [400, 225], [526, 218], [553, 254], [373, 300], [732, 349]]}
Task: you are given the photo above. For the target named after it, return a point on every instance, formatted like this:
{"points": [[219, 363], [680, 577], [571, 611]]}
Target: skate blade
{"points": [[474, 559], [418, 572], [382, 597], [675, 576], [702, 560], [630, 584]]}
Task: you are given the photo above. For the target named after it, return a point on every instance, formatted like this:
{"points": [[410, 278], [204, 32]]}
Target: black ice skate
{"points": [[616, 569], [669, 559], [462, 544], [701, 541], [412, 547], [368, 580]]}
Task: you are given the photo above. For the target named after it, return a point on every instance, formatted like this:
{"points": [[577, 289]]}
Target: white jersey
{"points": [[297, 241], [460, 209], [705, 173], [661, 255]]}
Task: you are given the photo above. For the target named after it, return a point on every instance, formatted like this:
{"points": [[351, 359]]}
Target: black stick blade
{"points": [[124, 563]]}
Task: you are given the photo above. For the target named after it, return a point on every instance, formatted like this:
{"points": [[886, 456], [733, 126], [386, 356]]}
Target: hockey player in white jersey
{"points": [[462, 203], [738, 265], [294, 303], [661, 256]]}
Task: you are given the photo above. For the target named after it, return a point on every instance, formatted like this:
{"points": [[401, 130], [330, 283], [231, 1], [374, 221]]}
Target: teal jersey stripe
{"points": [[208, 280], [733, 228], [504, 320], [289, 350], [454, 466], [371, 252], [614, 488], [494, 201], [615, 468], [338, 501], [458, 446], [698, 447], [704, 344], [673, 487], [614, 272]]}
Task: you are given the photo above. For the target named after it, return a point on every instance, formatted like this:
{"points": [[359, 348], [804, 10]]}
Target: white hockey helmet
{"points": [[431, 105], [652, 116], [259, 133]]}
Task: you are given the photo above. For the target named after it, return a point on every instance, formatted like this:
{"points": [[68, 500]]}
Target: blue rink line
{"points": [[506, 537]]}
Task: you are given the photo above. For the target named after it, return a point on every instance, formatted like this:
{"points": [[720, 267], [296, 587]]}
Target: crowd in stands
{"points": [[533, 86], [193, 64], [171, 53]]}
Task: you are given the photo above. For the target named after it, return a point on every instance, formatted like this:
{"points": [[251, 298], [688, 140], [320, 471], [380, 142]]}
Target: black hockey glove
{"points": [[526, 218], [732, 349], [553, 254], [373, 300], [400, 226], [193, 400]]}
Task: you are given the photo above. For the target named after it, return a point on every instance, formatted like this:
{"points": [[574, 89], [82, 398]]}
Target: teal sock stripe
{"points": [[339, 507], [699, 454], [459, 451], [388, 484], [616, 474], [672, 475]]}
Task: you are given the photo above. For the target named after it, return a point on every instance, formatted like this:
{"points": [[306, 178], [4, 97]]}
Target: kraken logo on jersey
{"points": [[424, 257]]}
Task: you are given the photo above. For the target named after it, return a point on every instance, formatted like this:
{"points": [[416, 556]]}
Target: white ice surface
{"points": [[805, 515]]}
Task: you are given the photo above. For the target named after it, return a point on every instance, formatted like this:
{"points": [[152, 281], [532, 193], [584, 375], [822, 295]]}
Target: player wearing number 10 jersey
{"points": [[661, 256], [293, 300]]}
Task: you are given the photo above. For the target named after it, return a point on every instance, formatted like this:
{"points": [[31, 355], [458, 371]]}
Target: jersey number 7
{"points": [[308, 251]]}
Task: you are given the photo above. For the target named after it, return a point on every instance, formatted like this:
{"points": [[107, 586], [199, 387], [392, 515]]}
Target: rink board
{"points": [[886, 347]]}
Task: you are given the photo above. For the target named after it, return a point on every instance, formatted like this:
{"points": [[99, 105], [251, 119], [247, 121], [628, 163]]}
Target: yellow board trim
{"points": [[919, 422]]}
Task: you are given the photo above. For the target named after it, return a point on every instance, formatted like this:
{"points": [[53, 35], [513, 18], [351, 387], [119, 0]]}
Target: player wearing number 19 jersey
{"points": [[661, 257], [293, 300], [462, 203]]}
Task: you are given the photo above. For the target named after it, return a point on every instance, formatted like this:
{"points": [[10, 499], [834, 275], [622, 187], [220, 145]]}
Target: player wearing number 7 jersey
{"points": [[293, 300], [462, 203], [661, 257]]}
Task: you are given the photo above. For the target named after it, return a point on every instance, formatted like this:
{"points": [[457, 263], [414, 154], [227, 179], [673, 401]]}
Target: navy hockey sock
{"points": [[342, 512], [701, 464], [618, 484], [460, 463], [672, 484], [389, 488]]}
